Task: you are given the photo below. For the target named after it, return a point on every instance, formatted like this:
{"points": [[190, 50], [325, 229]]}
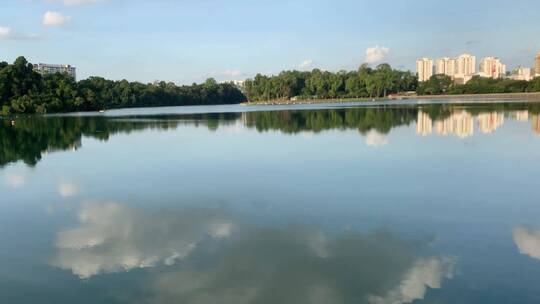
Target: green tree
{"points": [[437, 84]]}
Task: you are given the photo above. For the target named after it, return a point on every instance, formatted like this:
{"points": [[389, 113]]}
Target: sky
{"points": [[187, 41]]}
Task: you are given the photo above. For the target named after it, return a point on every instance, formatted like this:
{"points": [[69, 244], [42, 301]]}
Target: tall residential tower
{"points": [[424, 68], [537, 65], [466, 65], [492, 67], [446, 66]]}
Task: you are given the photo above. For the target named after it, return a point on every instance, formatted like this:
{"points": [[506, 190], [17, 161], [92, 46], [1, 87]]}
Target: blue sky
{"points": [[187, 40]]}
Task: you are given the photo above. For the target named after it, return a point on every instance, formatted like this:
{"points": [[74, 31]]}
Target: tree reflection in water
{"points": [[28, 138]]}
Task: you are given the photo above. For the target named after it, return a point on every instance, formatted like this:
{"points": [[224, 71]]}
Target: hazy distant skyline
{"points": [[187, 41]]}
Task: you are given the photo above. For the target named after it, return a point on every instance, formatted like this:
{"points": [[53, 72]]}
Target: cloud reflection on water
{"points": [[15, 179], [303, 266], [375, 139], [257, 265], [113, 238], [68, 189], [528, 242]]}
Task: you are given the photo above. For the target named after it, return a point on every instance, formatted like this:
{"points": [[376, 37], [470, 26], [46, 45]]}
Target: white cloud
{"points": [[232, 73], [528, 242], [227, 75], [55, 19], [75, 2], [68, 189], [306, 64], [5, 32], [15, 180], [80, 2], [376, 139], [112, 238], [376, 54], [425, 273]]}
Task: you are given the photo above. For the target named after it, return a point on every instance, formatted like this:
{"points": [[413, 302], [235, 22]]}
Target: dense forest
{"points": [[442, 84], [317, 84], [22, 90]]}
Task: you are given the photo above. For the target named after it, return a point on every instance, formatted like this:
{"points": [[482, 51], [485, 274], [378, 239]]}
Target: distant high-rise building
{"points": [[466, 65], [492, 67], [424, 68], [45, 69], [446, 66], [537, 65], [521, 73]]}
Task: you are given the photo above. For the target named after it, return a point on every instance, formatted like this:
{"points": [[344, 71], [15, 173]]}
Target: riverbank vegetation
{"points": [[443, 84], [318, 84], [369, 83], [22, 90]]}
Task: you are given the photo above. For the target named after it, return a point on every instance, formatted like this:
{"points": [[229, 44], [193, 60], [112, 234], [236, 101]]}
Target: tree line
{"points": [[369, 82], [443, 84], [22, 90], [366, 82]]}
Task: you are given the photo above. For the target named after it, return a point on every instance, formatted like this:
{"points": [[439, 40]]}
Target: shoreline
{"points": [[532, 96]]}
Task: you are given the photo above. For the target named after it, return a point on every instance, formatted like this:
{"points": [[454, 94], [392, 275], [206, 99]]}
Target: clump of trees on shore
{"points": [[372, 83], [22, 90], [443, 84], [317, 84]]}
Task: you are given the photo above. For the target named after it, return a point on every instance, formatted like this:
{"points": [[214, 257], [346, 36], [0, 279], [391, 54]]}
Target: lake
{"points": [[382, 204]]}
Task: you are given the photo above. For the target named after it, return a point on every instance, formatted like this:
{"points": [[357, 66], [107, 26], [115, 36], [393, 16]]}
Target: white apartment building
{"points": [[446, 66], [424, 69], [45, 69], [521, 73], [465, 65], [492, 67], [537, 65]]}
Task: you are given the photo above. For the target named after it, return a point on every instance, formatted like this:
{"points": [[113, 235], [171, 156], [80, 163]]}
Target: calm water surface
{"points": [[314, 204]]}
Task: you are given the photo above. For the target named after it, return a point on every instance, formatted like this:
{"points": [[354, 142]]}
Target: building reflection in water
{"points": [[424, 124], [536, 124], [208, 256], [490, 122], [461, 123], [520, 115]]}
